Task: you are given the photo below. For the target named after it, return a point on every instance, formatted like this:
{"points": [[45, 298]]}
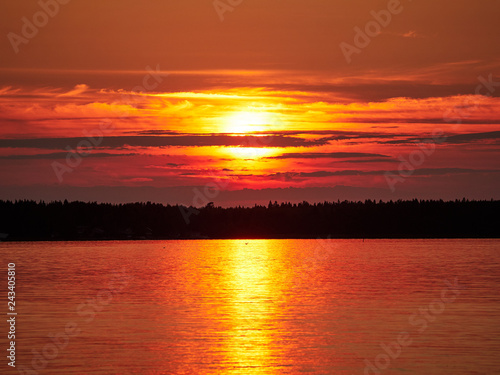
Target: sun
{"points": [[249, 122], [246, 122]]}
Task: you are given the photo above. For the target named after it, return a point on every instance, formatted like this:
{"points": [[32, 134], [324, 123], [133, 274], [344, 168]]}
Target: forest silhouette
{"points": [[35, 221]]}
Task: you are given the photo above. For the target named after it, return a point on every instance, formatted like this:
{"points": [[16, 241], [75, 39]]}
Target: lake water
{"points": [[255, 307]]}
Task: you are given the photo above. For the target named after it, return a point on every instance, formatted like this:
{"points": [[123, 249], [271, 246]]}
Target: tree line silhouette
{"points": [[34, 221]]}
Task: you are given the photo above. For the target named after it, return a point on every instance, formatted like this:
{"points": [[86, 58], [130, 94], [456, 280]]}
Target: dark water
{"points": [[255, 307]]}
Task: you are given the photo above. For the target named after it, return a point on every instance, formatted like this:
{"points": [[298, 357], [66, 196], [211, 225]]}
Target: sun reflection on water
{"points": [[250, 277]]}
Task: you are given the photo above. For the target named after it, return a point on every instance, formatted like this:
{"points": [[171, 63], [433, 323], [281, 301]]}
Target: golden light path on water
{"points": [[248, 276]]}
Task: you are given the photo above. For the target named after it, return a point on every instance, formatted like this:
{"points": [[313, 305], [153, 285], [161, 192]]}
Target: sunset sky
{"points": [[249, 102]]}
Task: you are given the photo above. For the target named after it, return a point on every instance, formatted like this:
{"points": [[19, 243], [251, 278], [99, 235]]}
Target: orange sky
{"points": [[263, 103]]}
